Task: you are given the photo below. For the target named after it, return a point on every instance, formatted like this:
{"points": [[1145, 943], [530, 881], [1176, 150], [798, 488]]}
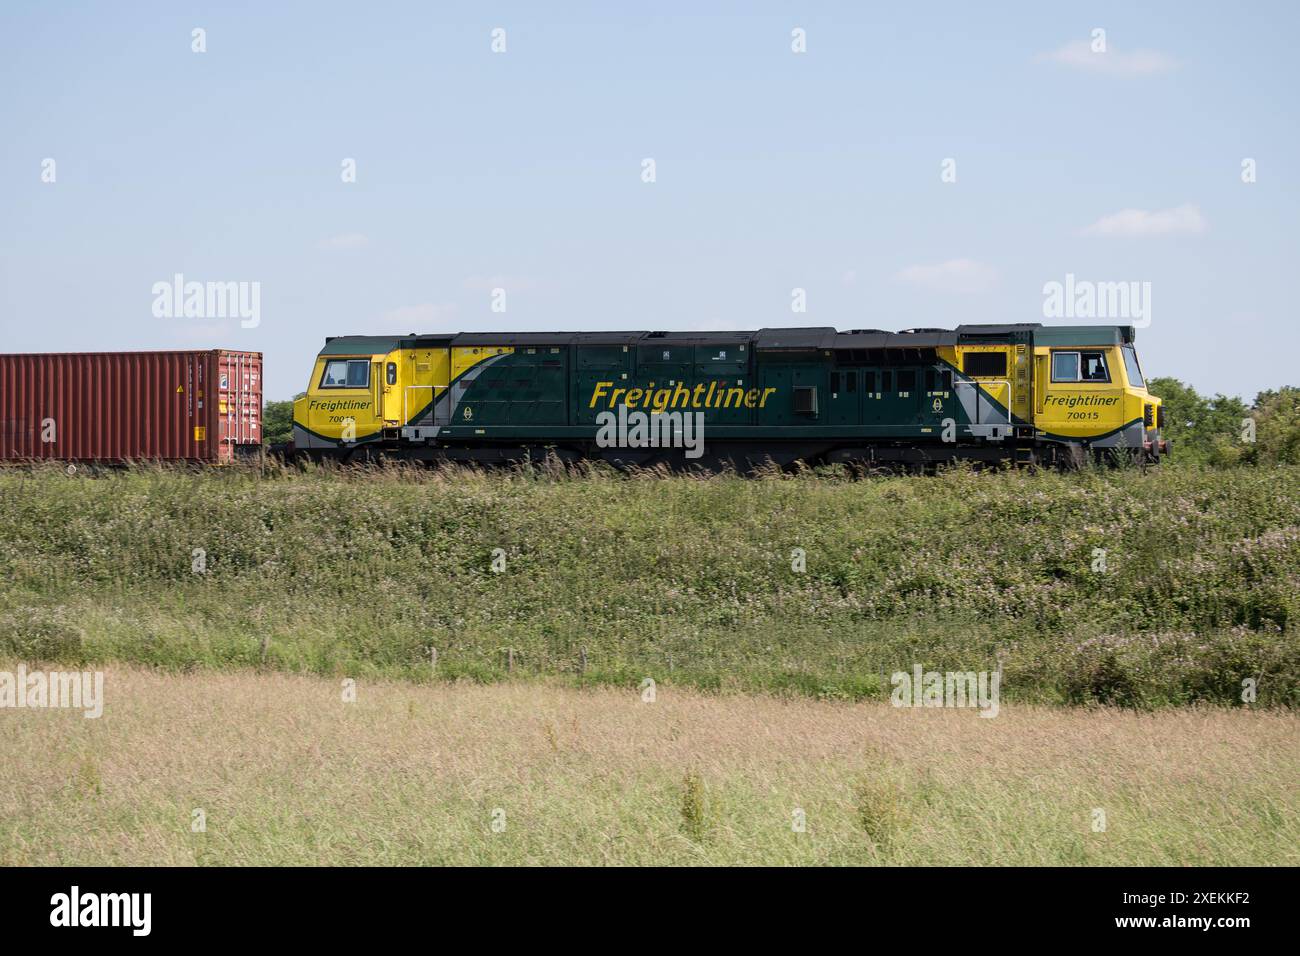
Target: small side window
{"points": [[390, 373], [907, 380], [929, 380], [835, 383], [850, 382], [1065, 366], [869, 381], [885, 377]]}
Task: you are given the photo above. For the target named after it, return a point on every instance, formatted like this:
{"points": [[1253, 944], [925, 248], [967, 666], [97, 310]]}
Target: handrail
{"points": [[406, 412]]}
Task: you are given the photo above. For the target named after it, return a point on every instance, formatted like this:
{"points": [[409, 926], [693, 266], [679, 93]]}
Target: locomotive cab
{"points": [[348, 393], [364, 389], [1089, 390]]}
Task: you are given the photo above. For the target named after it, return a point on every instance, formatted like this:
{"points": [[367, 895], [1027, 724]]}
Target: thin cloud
{"points": [[348, 240], [955, 275], [1080, 55], [1184, 220]]}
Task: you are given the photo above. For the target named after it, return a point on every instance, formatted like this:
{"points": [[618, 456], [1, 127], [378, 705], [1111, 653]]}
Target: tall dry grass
{"points": [[287, 773]]}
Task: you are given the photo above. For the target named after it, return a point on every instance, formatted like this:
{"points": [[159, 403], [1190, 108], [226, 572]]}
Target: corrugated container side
{"points": [[237, 415], [120, 406]]}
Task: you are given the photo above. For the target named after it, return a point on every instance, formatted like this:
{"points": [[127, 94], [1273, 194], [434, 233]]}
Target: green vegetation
{"points": [[1131, 588], [1211, 430], [277, 421]]}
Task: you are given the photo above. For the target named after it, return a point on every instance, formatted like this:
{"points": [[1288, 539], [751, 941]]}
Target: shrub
{"points": [[39, 634]]}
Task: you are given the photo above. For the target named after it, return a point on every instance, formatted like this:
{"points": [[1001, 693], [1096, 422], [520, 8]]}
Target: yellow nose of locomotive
{"points": [[1090, 392]]}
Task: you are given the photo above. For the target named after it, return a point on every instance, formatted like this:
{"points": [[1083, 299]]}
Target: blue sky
{"points": [[774, 170]]}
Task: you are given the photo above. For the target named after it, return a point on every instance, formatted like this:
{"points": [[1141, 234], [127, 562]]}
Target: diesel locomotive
{"points": [[1024, 393]]}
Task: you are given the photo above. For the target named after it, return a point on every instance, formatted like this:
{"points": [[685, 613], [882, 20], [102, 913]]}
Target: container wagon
{"points": [[193, 406]]}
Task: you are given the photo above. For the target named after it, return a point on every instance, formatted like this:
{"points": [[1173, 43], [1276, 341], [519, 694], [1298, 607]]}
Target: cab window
{"points": [[1079, 367], [1131, 366], [1093, 367], [346, 373]]}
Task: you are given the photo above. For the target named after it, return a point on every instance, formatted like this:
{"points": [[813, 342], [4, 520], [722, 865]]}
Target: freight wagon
{"points": [[196, 406], [1024, 393]]}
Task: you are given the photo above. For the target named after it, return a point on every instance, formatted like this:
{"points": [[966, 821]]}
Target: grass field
{"points": [[285, 772], [1128, 611], [1141, 589]]}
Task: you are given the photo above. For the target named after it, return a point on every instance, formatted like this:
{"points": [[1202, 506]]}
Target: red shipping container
{"points": [[125, 406]]}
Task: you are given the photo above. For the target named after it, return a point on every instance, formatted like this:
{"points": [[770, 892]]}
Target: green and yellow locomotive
{"points": [[1024, 393]]}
